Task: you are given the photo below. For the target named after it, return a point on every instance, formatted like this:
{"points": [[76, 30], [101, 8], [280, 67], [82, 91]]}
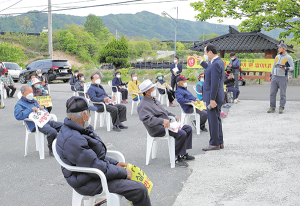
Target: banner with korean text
{"points": [[44, 100]]}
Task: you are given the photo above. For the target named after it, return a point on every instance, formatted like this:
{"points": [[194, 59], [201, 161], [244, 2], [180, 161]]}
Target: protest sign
{"points": [[44, 100], [40, 117]]}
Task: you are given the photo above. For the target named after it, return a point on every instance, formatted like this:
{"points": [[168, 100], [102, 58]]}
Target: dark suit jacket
{"points": [[179, 66], [213, 82]]}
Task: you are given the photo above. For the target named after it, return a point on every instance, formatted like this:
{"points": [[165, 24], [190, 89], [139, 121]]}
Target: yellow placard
{"points": [[44, 100], [263, 65]]}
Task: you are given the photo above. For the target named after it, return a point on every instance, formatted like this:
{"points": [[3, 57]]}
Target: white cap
{"points": [[146, 85], [35, 81]]}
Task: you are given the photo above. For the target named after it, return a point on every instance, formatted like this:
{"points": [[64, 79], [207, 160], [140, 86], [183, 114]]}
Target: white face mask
{"points": [[134, 78], [82, 79], [205, 57], [98, 81], [232, 59], [175, 61], [118, 76], [202, 80], [153, 94], [76, 75], [39, 75], [184, 84], [37, 86], [87, 123], [29, 96]]}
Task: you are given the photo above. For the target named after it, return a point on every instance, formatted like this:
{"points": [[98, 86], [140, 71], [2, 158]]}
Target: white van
{"points": [[13, 70]]}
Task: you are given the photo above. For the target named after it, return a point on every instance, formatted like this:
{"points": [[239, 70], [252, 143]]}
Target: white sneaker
{"points": [[235, 101], [238, 100]]}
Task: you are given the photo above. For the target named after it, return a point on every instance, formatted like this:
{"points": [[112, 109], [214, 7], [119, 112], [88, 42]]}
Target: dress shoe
{"points": [[204, 130], [121, 126], [51, 153], [116, 128], [211, 147], [221, 146], [188, 157]]}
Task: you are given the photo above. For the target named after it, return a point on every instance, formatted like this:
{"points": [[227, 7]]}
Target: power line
{"points": [[11, 5], [110, 4]]}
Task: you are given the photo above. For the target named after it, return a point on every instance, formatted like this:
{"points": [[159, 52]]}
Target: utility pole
{"points": [[50, 44], [176, 32]]}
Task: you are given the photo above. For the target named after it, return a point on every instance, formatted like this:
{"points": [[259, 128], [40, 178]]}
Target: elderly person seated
{"points": [[8, 84], [117, 82], [78, 145], [133, 87], [74, 79], [117, 112], [43, 79], [229, 81], [156, 118], [27, 105], [162, 85], [185, 96], [40, 85], [79, 85], [36, 85]]}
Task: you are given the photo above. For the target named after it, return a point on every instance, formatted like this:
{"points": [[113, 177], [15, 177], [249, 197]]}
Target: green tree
{"points": [[115, 52], [24, 23], [205, 37], [257, 14], [142, 47], [11, 53], [95, 25]]}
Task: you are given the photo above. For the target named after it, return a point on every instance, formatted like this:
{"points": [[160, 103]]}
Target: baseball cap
{"points": [[283, 45], [5, 70], [78, 104], [181, 78]]}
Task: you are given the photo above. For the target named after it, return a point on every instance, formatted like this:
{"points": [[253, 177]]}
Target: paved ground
{"points": [[259, 165], [31, 181]]}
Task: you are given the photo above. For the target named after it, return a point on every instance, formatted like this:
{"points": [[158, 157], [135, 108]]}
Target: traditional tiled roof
{"points": [[242, 42]]}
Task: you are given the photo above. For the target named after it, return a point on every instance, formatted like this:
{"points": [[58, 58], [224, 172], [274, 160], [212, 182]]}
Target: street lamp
{"points": [[163, 14]]}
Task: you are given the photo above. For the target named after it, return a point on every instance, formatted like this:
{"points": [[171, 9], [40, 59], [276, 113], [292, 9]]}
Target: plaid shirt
{"points": [[7, 80]]}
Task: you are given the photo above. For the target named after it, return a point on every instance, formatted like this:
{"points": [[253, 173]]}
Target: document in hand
{"points": [[175, 126], [175, 69], [40, 118]]}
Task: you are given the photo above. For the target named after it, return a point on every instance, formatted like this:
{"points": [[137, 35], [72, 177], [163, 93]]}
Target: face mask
{"points": [[6, 74], [159, 78], [98, 81], [82, 79], [175, 61], [205, 57], [153, 94], [134, 78], [228, 72], [87, 123], [232, 59], [76, 75], [29, 96], [184, 84], [202, 80], [118, 76], [37, 86], [280, 53], [39, 75]]}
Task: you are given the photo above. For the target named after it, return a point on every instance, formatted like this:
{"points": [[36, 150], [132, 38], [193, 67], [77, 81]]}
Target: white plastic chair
{"points": [[196, 91], [103, 116], [85, 90], [185, 117], [163, 97], [135, 102], [48, 86], [2, 93], [77, 199], [39, 137], [117, 94], [152, 146]]}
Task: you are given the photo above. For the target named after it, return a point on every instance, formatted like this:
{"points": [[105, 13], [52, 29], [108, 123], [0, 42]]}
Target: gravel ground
{"points": [[259, 165]]}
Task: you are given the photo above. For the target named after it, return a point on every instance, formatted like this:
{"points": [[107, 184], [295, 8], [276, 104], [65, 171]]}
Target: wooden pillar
{"points": [[274, 53], [222, 53], [269, 54]]}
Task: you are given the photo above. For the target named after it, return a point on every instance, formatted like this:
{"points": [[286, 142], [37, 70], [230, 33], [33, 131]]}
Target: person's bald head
{"points": [[25, 90]]}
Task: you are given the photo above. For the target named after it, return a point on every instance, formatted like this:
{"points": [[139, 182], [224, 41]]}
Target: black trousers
{"points": [[173, 83], [117, 112], [183, 139], [124, 93], [132, 190], [203, 116], [13, 90]]}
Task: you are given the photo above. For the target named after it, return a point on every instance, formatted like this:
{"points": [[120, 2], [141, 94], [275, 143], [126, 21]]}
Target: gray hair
{"points": [[76, 115], [133, 73], [38, 71], [23, 88]]}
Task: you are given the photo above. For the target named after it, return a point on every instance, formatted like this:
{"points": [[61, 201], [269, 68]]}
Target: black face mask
{"points": [[5, 74], [228, 72], [280, 53]]}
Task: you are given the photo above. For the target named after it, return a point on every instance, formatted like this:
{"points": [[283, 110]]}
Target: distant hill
{"points": [[140, 24]]}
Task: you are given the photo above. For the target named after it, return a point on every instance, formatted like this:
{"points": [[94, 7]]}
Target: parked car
{"points": [[52, 69], [13, 70]]}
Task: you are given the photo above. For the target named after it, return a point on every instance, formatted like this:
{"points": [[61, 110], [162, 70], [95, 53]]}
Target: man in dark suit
{"points": [[213, 95], [175, 69]]}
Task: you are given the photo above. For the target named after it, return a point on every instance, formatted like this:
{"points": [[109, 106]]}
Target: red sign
{"points": [[191, 62]]}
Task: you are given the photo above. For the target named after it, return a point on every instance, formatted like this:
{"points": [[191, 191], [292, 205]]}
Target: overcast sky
{"points": [[185, 11]]}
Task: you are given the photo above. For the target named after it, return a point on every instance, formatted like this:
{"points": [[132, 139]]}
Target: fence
{"points": [[296, 69]]}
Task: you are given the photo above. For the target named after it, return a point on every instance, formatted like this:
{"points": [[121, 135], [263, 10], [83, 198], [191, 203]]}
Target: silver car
{"points": [[13, 70]]}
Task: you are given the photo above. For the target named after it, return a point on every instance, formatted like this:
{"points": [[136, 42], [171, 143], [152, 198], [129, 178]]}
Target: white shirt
{"points": [[211, 60]]}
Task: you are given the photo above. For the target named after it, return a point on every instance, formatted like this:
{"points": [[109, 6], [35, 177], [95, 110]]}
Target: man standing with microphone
{"points": [[213, 96]]}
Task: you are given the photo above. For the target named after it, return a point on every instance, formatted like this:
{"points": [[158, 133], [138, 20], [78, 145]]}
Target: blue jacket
{"points": [[79, 146], [184, 96], [23, 108], [199, 89], [97, 94], [117, 82], [236, 64], [72, 82], [179, 66], [213, 82]]}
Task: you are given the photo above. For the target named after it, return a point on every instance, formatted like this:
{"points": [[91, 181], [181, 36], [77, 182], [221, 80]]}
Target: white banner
{"points": [[40, 118]]}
